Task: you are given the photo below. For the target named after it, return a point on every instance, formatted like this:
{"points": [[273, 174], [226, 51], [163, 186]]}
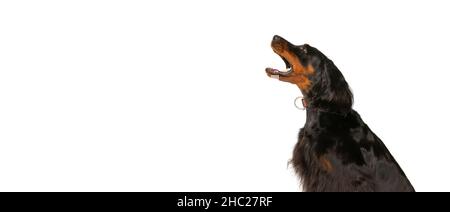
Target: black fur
{"points": [[336, 150]]}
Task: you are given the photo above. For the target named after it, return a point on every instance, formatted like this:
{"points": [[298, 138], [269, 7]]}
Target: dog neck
{"points": [[314, 109]]}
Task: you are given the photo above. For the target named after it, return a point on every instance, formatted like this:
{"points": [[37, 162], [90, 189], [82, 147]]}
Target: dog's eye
{"points": [[303, 49]]}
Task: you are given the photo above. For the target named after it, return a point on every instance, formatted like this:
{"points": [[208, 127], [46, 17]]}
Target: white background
{"points": [[172, 95]]}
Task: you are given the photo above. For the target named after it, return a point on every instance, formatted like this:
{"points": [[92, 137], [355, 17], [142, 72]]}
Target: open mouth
{"points": [[273, 72], [279, 46]]}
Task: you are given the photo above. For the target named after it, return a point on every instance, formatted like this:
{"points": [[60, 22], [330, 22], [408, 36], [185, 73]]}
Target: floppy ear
{"points": [[332, 89]]}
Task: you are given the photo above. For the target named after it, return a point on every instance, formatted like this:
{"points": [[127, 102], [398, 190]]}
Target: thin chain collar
{"points": [[306, 107]]}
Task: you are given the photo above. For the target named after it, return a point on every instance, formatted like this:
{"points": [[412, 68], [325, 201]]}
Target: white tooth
{"points": [[274, 76], [289, 69]]}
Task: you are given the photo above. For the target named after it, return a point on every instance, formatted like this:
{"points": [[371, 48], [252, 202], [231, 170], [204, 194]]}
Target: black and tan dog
{"points": [[336, 150]]}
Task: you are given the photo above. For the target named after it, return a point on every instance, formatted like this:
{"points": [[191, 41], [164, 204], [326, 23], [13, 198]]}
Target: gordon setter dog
{"points": [[336, 150]]}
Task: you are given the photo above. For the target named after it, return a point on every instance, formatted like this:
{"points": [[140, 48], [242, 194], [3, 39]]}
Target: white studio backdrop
{"points": [[172, 95]]}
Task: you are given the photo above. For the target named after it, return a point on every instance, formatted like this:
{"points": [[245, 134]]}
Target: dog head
{"points": [[320, 81]]}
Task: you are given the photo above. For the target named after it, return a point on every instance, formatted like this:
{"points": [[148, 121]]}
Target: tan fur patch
{"points": [[326, 164]]}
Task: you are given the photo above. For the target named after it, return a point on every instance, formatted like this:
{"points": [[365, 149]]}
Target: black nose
{"points": [[276, 38]]}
